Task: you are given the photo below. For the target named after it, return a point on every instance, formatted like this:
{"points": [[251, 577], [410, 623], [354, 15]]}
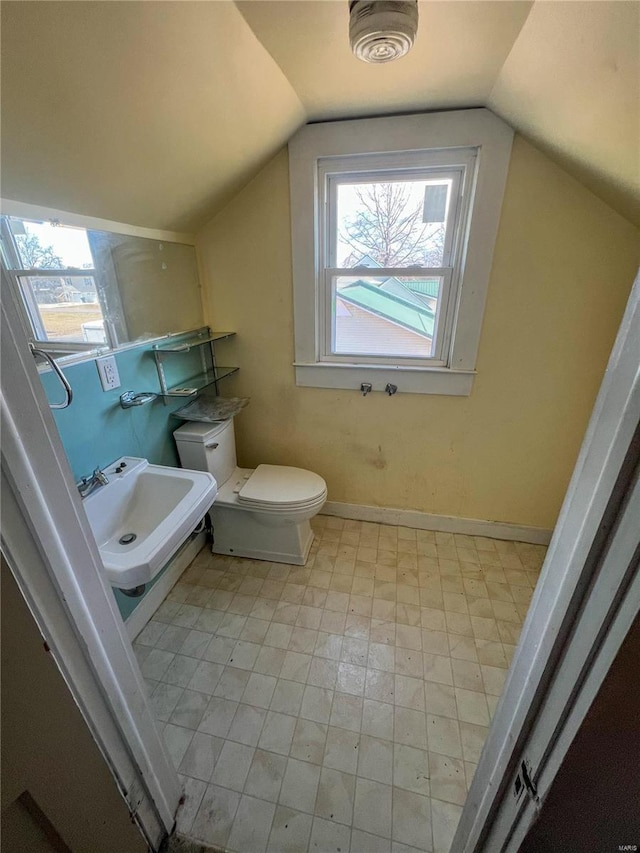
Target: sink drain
{"points": [[128, 538]]}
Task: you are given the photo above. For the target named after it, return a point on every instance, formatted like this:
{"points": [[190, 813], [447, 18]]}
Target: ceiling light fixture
{"points": [[382, 30]]}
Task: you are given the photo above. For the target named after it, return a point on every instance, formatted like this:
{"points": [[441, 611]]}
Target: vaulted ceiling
{"points": [[157, 113]]}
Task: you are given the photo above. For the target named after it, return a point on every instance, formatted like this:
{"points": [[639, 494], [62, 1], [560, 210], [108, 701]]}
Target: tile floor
{"points": [[340, 706]]}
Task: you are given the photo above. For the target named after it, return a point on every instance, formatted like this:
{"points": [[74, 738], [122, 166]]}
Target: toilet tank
{"points": [[208, 447]]}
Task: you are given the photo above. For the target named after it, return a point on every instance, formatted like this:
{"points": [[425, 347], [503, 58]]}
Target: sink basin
{"points": [[143, 514]]}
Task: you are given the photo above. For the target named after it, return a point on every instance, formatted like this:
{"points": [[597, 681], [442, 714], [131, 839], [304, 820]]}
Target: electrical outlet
{"points": [[108, 372]]}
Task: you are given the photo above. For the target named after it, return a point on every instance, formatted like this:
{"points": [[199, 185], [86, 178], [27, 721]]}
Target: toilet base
{"points": [[237, 533]]}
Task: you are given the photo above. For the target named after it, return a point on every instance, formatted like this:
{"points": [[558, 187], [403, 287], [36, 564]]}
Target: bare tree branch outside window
{"points": [[389, 228]]}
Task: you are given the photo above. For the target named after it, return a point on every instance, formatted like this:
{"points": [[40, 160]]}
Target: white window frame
{"points": [[320, 150], [457, 166], [30, 314]]}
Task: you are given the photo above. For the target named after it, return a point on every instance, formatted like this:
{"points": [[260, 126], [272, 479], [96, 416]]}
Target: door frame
{"points": [[584, 604], [49, 546]]}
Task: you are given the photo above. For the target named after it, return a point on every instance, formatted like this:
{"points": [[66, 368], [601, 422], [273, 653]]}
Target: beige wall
{"points": [[563, 266]]}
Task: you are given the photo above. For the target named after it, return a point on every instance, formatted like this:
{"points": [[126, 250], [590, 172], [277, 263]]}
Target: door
{"points": [[586, 600], [47, 542]]}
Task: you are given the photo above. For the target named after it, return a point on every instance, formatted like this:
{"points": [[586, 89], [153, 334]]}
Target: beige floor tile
{"points": [[287, 697], [409, 727], [354, 651], [379, 685], [309, 741], [447, 778], [443, 735], [411, 769], [377, 719], [350, 678], [336, 792], [432, 618], [341, 750], [493, 678], [469, 771], [346, 711], [319, 689], [437, 668], [232, 683], [467, 674], [409, 692], [444, 817], [265, 775], [440, 699], [252, 825], [300, 785], [193, 792], [473, 738], [290, 831], [247, 725], [213, 821], [316, 703], [412, 819], [218, 716], [277, 733], [327, 835], [201, 756], [364, 842], [373, 807], [491, 653], [375, 759], [295, 666], [259, 690], [323, 673], [190, 709], [472, 706]]}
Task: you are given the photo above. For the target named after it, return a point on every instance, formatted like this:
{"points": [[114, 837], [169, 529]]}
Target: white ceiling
{"points": [[460, 49], [156, 113]]}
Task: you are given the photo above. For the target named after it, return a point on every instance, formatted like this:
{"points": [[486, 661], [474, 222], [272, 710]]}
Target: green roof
{"points": [[425, 287], [389, 306]]}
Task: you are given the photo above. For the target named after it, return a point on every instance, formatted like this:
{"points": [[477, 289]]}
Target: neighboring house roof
{"points": [[425, 287], [405, 289], [371, 297]]}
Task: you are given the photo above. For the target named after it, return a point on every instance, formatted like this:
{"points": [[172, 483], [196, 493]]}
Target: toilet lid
{"points": [[281, 485]]}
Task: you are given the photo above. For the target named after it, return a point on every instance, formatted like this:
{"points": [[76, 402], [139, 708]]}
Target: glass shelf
{"points": [[186, 346], [201, 341], [190, 387]]}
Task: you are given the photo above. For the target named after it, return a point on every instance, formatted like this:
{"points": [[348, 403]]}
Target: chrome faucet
{"points": [[90, 484]]}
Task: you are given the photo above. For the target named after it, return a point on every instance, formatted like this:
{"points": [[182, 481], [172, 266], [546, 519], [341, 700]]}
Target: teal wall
{"points": [[127, 604], [95, 430]]}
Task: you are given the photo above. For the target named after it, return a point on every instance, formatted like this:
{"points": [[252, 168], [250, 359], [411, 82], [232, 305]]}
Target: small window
{"points": [[53, 274], [390, 258], [388, 266]]}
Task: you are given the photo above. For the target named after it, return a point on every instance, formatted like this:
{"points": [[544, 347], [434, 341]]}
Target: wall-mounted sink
{"points": [[143, 514]]}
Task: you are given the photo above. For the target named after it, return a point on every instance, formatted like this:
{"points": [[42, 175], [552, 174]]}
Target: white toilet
{"points": [[262, 513]]}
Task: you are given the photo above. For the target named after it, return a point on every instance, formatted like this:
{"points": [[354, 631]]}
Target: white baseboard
{"points": [[441, 523], [159, 591]]}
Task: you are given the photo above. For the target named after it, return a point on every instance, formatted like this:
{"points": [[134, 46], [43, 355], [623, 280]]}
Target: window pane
{"points": [[65, 308], [392, 224], [42, 245], [385, 316]]}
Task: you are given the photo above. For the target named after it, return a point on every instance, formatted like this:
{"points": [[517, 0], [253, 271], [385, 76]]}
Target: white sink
{"points": [[160, 506]]}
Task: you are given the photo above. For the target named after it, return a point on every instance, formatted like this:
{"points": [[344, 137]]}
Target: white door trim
{"points": [[50, 548], [581, 610]]}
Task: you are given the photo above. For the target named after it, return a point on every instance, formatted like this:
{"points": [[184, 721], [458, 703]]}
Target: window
{"points": [[54, 275], [393, 224]]}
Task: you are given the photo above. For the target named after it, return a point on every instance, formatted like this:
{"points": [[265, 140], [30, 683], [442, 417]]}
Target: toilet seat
{"points": [[273, 488]]}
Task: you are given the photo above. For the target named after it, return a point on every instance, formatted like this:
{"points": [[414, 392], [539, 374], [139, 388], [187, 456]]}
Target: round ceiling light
{"points": [[382, 30]]}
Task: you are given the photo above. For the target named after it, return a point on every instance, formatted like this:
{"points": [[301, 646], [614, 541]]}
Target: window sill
{"points": [[410, 380]]}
